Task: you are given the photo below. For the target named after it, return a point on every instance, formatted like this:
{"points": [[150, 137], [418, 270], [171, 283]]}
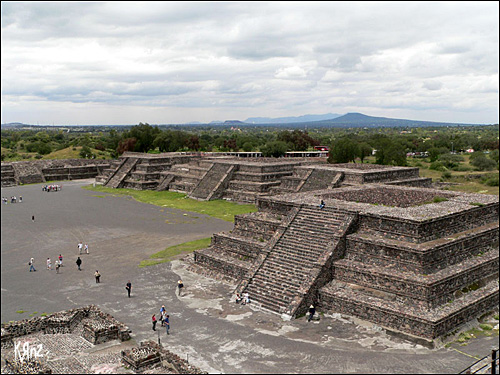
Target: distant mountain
{"points": [[361, 120], [289, 120], [234, 122]]}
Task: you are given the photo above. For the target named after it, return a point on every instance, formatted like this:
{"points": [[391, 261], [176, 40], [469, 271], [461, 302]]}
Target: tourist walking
{"points": [[20, 199], [79, 263], [49, 264], [60, 260], [97, 277], [180, 285], [153, 318], [57, 266], [129, 288], [312, 311], [322, 204], [167, 324], [32, 264], [80, 247], [163, 312], [33, 218], [86, 248]]}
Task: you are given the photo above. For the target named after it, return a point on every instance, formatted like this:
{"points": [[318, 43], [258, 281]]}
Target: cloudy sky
{"points": [[176, 62]]}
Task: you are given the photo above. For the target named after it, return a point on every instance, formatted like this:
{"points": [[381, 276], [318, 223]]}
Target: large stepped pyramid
{"points": [[417, 261]]}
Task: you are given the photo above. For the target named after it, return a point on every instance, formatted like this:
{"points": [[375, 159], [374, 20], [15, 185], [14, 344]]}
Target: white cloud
{"points": [[239, 60]]}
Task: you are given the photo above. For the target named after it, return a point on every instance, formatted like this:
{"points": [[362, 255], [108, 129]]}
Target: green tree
{"points": [[343, 151], [435, 152], [144, 134], [364, 150], [390, 152], [274, 149], [86, 152]]}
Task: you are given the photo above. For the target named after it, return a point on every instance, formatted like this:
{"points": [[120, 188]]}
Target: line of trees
{"points": [[346, 145]]}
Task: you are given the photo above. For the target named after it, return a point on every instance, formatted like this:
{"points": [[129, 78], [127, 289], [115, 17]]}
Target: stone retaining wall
{"points": [[393, 319], [432, 229], [426, 260], [60, 322], [149, 355]]}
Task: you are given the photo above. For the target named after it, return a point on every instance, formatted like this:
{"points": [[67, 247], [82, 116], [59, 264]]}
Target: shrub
{"points": [[450, 160], [461, 168], [482, 163], [437, 166], [446, 175], [490, 181]]}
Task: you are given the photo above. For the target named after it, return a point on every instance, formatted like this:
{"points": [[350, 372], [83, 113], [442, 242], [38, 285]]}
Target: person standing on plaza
{"points": [[33, 218], [60, 260], [97, 277], [167, 324], [32, 264], [162, 314], [49, 264], [153, 318], [80, 247], [79, 263], [86, 248], [129, 288], [57, 266], [312, 311], [180, 285]]}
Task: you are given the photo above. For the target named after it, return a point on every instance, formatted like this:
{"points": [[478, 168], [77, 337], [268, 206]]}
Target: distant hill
{"points": [[361, 120], [289, 120]]}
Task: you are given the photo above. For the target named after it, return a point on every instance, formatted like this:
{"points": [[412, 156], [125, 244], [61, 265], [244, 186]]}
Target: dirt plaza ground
{"points": [[207, 327]]}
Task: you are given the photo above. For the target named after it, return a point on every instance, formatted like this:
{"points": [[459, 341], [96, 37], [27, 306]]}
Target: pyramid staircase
{"points": [[308, 179], [213, 182], [297, 264], [118, 176]]}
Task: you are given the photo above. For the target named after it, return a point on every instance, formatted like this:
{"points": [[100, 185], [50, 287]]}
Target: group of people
{"points": [[83, 248], [164, 320], [58, 264], [13, 199], [49, 188], [244, 299]]}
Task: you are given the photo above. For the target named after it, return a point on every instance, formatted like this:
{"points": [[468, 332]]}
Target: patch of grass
{"points": [[477, 204], [486, 327], [439, 199], [21, 311], [219, 209], [43, 314], [172, 251]]}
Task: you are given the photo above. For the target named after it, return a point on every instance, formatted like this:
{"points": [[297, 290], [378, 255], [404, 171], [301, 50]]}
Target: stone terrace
{"points": [[414, 260], [29, 172]]}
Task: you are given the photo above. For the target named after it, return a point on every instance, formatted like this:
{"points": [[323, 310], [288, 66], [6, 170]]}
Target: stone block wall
{"points": [[421, 259], [151, 356], [60, 322]]}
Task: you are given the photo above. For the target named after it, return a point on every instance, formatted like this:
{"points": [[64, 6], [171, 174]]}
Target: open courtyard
{"points": [[207, 327]]}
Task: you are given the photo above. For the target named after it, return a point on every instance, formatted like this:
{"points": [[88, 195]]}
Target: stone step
{"points": [[284, 285], [433, 287], [427, 257], [269, 296], [338, 297], [308, 259]]}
